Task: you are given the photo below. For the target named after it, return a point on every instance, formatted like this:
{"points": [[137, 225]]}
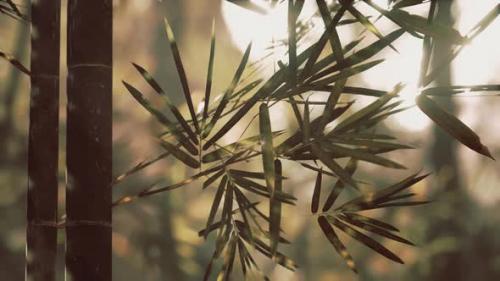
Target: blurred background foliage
{"points": [[156, 238]]}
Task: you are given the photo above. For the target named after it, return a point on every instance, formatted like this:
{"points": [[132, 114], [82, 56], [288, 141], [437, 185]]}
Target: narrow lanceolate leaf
{"points": [[407, 3], [362, 155], [452, 125], [15, 63], [152, 82], [365, 240], [215, 205], [327, 159], [266, 139], [229, 255], [368, 201], [229, 91], [316, 193], [247, 4], [182, 73], [363, 54], [376, 230], [366, 112], [275, 209], [366, 22], [292, 44], [179, 154], [161, 118], [213, 178], [447, 91], [337, 244], [211, 60], [333, 36], [372, 221], [339, 186], [320, 45], [306, 126]]}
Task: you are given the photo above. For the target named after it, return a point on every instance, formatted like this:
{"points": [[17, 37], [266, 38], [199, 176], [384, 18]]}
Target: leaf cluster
{"points": [[339, 134]]}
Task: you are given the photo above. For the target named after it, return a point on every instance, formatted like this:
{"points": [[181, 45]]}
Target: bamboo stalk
{"points": [[89, 140], [43, 141]]}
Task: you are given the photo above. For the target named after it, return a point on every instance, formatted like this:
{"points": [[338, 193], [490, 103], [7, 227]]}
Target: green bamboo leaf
{"points": [[279, 257], [17, 64], [292, 43], [213, 178], [316, 193], [346, 73], [241, 200], [337, 244], [249, 5], [368, 201], [266, 139], [365, 112], [208, 88], [371, 221], [327, 159], [262, 190], [275, 210], [152, 82], [452, 125], [365, 240], [298, 137], [179, 154], [447, 91], [339, 186], [230, 90], [306, 127], [215, 205], [231, 149], [375, 145], [407, 3], [161, 118], [361, 155], [333, 36], [361, 55], [320, 45], [253, 175], [182, 73], [379, 231], [415, 24], [365, 22]]}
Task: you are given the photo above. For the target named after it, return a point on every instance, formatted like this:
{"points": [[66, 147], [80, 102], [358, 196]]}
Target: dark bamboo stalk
{"points": [[89, 143], [41, 234]]}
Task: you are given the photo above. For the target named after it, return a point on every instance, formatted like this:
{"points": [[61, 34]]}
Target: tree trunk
{"points": [[89, 140], [43, 141]]}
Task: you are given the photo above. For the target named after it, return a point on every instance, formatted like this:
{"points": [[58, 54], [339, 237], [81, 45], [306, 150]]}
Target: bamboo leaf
{"points": [[151, 81], [208, 87], [267, 146], [275, 210], [327, 159], [316, 193], [366, 112], [215, 205], [365, 240], [15, 63], [161, 118], [213, 178], [337, 244], [179, 154], [182, 73], [452, 125], [247, 4], [362, 155], [374, 229], [339, 186], [229, 91], [372, 221]]}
